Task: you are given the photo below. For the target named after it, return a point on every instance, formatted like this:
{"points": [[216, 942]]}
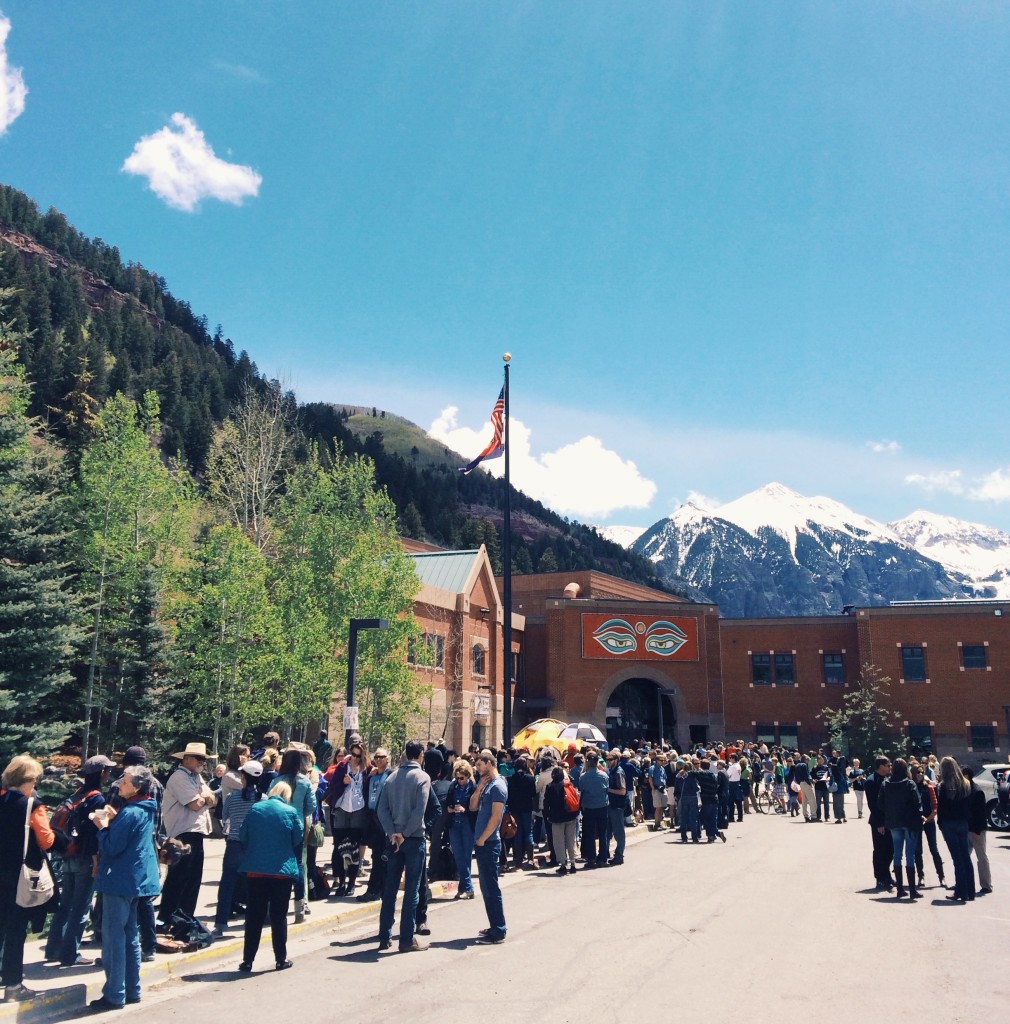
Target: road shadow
{"points": [[365, 940], [233, 975]]}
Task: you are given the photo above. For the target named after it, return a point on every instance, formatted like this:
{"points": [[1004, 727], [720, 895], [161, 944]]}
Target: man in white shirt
{"points": [[187, 806]]}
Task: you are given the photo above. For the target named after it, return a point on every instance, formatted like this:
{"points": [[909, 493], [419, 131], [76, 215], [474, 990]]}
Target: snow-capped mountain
{"points": [[776, 552], [623, 535], [977, 555]]}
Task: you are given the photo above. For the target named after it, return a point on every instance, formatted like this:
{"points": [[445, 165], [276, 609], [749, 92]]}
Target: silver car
{"points": [[987, 779]]}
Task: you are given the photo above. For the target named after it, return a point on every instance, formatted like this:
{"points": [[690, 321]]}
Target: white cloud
{"points": [[12, 85], [703, 501], [994, 486], [241, 71], [181, 168], [883, 447], [947, 480], [583, 478]]}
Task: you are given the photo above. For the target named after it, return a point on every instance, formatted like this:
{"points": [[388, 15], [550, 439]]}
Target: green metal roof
{"points": [[447, 570]]}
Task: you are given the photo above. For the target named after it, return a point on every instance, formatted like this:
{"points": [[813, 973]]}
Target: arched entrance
{"points": [[639, 710]]}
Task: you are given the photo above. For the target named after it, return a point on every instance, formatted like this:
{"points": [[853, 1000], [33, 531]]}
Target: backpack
{"points": [[572, 802], [67, 820]]}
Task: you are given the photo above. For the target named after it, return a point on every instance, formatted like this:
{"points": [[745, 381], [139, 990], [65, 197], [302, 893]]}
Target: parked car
{"points": [[997, 811]]}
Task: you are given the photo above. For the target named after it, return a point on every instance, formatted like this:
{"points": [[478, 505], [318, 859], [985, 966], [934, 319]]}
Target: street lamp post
{"points": [[352, 661]]}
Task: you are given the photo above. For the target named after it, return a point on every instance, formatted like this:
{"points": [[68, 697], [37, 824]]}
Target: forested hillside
{"points": [[95, 326]]}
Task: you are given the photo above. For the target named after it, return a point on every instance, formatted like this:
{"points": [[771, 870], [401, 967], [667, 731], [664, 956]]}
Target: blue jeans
{"points": [[461, 841], [408, 859], [955, 835], [120, 948], [490, 890], [594, 834], [906, 839], [522, 845], [690, 821], [67, 925], [617, 830], [233, 853]]}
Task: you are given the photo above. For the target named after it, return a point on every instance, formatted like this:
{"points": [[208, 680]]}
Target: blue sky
{"points": [[725, 243]]}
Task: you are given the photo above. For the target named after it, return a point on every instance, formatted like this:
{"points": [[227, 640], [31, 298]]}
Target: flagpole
{"points": [[507, 570]]}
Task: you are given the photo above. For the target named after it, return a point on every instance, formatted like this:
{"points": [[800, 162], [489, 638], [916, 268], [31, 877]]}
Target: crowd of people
{"points": [[123, 838]]}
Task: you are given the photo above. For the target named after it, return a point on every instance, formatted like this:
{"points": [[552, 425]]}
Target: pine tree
{"points": [[38, 634]]}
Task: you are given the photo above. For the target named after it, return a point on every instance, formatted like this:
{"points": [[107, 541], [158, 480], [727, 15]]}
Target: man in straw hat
{"points": [[187, 807]]}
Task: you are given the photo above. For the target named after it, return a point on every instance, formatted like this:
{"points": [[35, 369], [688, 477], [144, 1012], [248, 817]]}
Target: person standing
{"points": [[976, 833], [488, 801], [323, 749], [375, 839], [21, 812], [80, 864], [617, 793], [839, 765], [461, 835], [402, 803], [127, 873], [953, 815], [883, 847], [236, 808], [902, 812], [927, 800], [562, 819], [857, 780], [273, 838], [593, 785], [188, 803]]}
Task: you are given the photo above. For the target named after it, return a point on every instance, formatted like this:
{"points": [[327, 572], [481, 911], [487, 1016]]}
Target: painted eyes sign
{"points": [[640, 638]]}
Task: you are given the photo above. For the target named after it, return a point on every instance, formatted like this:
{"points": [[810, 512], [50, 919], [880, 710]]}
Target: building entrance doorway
{"points": [[639, 710]]}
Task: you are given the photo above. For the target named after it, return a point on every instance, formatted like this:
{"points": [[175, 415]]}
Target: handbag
{"points": [[316, 835], [34, 887], [794, 786], [832, 786], [509, 828]]}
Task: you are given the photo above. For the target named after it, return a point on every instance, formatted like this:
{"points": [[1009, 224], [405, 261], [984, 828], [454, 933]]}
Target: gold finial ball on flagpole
{"points": [[507, 357]]}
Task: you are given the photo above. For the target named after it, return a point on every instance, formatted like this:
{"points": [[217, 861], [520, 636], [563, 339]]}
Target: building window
{"points": [[920, 740], [698, 733], [913, 664], [761, 669], [785, 669], [789, 737], [479, 660], [982, 737], [973, 656], [765, 734], [834, 668]]}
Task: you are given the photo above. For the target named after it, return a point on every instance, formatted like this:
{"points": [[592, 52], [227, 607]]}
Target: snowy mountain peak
{"points": [[788, 512], [981, 553]]}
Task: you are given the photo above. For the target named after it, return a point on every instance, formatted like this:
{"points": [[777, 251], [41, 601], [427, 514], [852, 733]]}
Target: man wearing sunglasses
{"points": [[186, 810]]}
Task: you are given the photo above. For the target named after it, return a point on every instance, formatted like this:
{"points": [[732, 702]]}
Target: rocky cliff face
{"points": [[776, 552]]}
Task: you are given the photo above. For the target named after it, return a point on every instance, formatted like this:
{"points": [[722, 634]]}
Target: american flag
{"points": [[497, 445]]}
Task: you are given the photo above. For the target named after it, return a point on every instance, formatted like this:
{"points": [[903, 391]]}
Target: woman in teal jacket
{"points": [[272, 835], [128, 870]]}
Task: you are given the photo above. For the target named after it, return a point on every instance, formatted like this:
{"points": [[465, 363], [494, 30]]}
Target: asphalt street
{"points": [[780, 919]]}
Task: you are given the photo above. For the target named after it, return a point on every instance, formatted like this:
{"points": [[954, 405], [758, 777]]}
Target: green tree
{"points": [[865, 725], [339, 557], [227, 640], [134, 512], [38, 634]]}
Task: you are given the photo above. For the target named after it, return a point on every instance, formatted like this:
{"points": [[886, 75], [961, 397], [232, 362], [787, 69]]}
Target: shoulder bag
{"points": [[34, 887]]}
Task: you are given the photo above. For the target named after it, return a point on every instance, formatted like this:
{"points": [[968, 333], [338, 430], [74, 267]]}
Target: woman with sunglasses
{"points": [[349, 816], [461, 826]]}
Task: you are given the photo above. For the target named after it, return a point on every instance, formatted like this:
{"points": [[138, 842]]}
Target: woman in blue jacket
{"points": [[128, 871], [272, 835]]}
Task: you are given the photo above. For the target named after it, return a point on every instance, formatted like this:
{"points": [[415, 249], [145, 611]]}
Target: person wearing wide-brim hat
{"points": [[188, 803]]}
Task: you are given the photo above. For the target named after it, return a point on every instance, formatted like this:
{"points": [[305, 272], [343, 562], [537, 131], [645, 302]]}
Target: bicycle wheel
{"points": [[765, 802]]}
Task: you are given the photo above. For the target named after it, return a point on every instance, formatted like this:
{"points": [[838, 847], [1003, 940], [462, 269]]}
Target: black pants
{"points": [[929, 833], [182, 883], [13, 930], [267, 895], [883, 854]]}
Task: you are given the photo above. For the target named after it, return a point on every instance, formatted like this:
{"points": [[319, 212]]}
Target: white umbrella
{"points": [[585, 731]]}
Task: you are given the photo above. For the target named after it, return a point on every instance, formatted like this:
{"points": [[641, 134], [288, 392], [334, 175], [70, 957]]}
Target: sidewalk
{"points": [[65, 990]]}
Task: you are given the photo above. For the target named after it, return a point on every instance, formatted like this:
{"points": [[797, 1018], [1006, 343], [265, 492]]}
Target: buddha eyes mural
{"points": [[664, 638], [616, 636], [639, 637]]}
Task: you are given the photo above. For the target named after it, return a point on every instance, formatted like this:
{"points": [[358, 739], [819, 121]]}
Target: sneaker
{"points": [[146, 958], [464, 895], [283, 965], [216, 934], [561, 870], [81, 961], [422, 929], [368, 897], [490, 938], [383, 946], [721, 835], [571, 869], [245, 967], [18, 994]]}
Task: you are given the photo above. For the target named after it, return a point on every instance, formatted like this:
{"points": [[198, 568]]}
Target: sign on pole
{"points": [[350, 717]]}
